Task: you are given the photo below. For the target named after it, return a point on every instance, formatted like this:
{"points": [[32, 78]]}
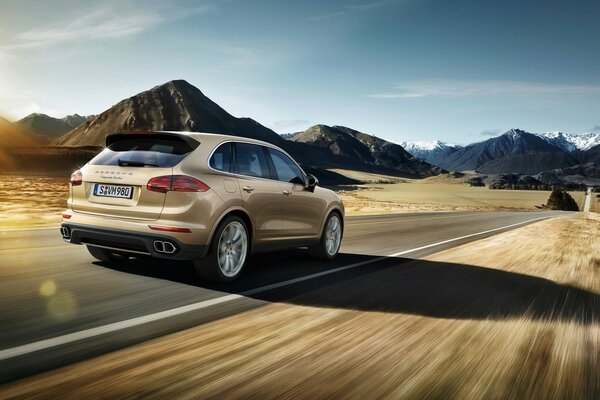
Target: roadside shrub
{"points": [[561, 200], [475, 181]]}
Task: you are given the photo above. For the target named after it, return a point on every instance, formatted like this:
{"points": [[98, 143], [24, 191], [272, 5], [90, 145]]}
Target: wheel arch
{"points": [[239, 212]]}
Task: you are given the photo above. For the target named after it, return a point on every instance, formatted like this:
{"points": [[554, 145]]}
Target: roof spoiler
{"points": [[116, 136]]}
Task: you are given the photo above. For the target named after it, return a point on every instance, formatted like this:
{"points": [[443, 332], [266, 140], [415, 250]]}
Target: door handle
{"points": [[287, 192], [247, 188]]}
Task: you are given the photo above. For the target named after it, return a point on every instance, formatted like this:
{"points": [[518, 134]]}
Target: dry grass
{"points": [[38, 201], [31, 201], [595, 202], [296, 351], [436, 195]]}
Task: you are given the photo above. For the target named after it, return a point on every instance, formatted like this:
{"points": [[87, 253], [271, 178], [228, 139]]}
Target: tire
{"points": [[106, 255], [228, 252], [331, 238]]}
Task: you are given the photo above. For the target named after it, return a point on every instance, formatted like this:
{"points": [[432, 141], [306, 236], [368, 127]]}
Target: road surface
{"points": [[58, 305]]}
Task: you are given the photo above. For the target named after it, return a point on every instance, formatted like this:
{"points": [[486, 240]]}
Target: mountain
{"points": [[590, 155], [434, 152], [174, 106], [13, 135], [571, 142], [179, 106], [75, 120], [515, 151], [583, 174], [289, 136], [365, 149], [50, 128]]}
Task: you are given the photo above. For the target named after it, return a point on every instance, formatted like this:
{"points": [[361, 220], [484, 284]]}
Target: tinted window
{"points": [[221, 158], [250, 160], [146, 151], [286, 169]]}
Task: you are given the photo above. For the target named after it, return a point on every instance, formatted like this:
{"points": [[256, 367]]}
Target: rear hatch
{"points": [[114, 183]]}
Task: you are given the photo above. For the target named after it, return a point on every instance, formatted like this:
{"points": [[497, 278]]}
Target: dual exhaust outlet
{"points": [[65, 232], [164, 247]]}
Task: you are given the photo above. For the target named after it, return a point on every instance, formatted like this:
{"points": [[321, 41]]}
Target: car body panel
{"points": [[277, 219]]}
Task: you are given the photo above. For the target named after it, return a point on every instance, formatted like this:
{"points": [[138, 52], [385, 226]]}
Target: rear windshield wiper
{"points": [[129, 163]]}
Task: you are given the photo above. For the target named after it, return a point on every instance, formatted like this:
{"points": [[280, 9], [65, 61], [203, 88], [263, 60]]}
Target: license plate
{"points": [[121, 192]]}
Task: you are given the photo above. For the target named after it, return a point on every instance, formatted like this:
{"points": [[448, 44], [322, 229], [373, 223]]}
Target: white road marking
{"points": [[92, 332], [588, 198]]}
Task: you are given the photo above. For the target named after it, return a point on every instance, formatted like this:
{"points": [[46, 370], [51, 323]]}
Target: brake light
{"points": [[76, 178], [66, 216], [176, 183], [161, 184]]}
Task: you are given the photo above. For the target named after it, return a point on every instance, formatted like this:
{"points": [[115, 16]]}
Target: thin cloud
{"points": [[101, 24], [481, 88], [290, 125], [365, 6], [596, 128], [350, 8], [490, 132]]}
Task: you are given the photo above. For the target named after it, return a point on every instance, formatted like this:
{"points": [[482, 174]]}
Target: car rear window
{"points": [[146, 151]]}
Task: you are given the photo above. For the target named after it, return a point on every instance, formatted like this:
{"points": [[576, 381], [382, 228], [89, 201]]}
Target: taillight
{"points": [[160, 184], [76, 178], [176, 183]]}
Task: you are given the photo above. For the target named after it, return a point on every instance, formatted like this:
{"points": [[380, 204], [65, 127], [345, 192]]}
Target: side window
{"points": [[286, 169], [221, 158], [250, 160]]}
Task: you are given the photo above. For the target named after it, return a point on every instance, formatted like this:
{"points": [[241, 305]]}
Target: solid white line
{"points": [[588, 198], [92, 332]]}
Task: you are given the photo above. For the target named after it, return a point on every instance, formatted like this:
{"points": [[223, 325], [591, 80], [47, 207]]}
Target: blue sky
{"points": [[459, 71]]}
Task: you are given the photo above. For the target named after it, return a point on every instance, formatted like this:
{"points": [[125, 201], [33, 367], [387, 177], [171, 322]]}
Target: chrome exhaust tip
{"points": [[65, 232], [169, 248], [159, 246], [164, 247]]}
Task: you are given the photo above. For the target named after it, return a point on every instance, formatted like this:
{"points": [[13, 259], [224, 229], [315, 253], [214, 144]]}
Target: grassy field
{"points": [[439, 193], [38, 201], [517, 317]]}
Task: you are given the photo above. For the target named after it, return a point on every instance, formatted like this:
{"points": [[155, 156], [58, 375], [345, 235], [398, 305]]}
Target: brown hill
{"points": [[365, 149], [14, 135], [174, 106]]}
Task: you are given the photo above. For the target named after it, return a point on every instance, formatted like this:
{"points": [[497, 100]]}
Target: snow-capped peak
{"points": [[425, 145], [572, 141]]}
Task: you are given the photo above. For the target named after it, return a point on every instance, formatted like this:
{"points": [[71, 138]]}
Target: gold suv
{"points": [[210, 198]]}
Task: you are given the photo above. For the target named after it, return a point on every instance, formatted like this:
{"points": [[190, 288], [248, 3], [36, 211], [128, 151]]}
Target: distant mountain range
{"points": [[50, 128], [515, 151], [179, 106], [434, 152], [571, 142]]}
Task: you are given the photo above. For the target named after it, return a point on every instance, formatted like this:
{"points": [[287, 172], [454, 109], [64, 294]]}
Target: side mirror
{"points": [[311, 182]]}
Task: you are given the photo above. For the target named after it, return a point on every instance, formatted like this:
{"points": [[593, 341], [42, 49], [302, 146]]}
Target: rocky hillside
{"points": [[364, 149], [174, 106]]}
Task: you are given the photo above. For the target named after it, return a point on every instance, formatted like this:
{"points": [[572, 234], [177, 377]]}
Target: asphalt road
{"points": [[58, 305]]}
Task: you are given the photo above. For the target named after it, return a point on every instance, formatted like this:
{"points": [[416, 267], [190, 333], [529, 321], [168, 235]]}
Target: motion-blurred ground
{"points": [[514, 316]]}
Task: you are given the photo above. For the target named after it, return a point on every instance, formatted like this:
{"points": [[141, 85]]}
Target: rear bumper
{"points": [[134, 243]]}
